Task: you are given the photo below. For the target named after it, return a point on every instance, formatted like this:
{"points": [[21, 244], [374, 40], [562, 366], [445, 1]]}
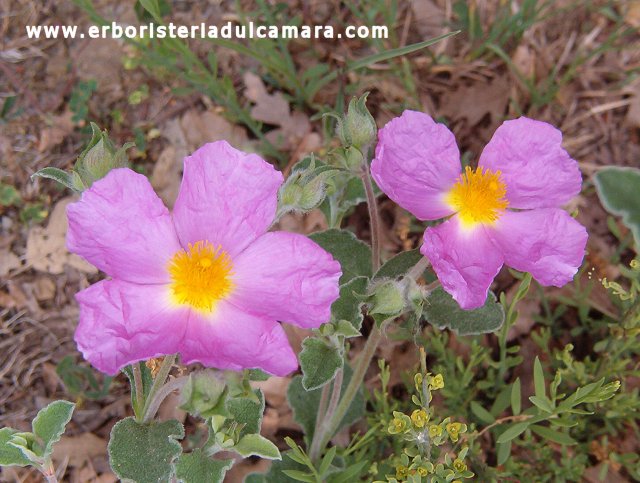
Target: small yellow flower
{"points": [[419, 418], [422, 471], [437, 382], [397, 425], [459, 465], [454, 431], [401, 472], [435, 431]]}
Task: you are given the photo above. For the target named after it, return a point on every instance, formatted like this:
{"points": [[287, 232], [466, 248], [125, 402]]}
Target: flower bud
{"points": [[387, 298], [305, 189], [357, 128], [100, 157], [203, 393]]}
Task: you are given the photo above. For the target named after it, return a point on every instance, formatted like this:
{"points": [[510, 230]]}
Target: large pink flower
{"points": [[207, 280], [504, 212]]}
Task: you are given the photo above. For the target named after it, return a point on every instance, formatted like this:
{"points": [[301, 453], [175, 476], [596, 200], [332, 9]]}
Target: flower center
{"points": [[200, 276], [478, 197]]}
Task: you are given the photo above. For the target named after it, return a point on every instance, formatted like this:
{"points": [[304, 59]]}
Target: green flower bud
{"points": [[305, 189], [98, 158], [357, 128], [204, 394], [387, 298]]}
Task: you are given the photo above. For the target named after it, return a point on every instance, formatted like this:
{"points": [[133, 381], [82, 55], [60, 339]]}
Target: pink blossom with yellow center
{"points": [[206, 280], [506, 211]]}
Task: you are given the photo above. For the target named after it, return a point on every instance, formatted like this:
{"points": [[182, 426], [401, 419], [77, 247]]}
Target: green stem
{"points": [[139, 388], [158, 382], [354, 385], [325, 413], [374, 216]]}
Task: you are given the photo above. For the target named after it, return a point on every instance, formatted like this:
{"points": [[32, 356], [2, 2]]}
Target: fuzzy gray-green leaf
{"points": [[319, 362], [145, 453], [354, 256], [442, 311]]}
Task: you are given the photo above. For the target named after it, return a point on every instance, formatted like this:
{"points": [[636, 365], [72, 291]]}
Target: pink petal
{"points": [[548, 243], [538, 172], [122, 322], [227, 197], [230, 338], [464, 259], [123, 228], [417, 161], [287, 277]]}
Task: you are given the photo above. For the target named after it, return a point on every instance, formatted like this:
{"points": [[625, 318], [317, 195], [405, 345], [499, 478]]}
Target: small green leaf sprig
{"points": [[422, 430]]}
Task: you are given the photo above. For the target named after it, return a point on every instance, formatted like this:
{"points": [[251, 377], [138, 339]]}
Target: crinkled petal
{"points": [[464, 259], [417, 161], [123, 322], [287, 277], [231, 338], [123, 228], [538, 172], [227, 197], [548, 243]]}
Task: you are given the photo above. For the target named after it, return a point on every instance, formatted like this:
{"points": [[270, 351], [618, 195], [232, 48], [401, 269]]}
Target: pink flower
{"points": [[504, 212], [207, 280]]}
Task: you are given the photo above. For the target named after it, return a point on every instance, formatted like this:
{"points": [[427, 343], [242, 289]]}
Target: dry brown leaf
{"points": [[475, 101], [44, 289], [57, 129], [632, 15], [79, 449], [46, 248], [274, 109], [274, 389], [428, 17], [8, 262]]}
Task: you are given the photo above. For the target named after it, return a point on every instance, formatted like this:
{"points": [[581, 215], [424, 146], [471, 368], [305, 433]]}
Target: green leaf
{"points": [[552, 435], [49, 424], [538, 379], [618, 190], [482, 414], [503, 452], [348, 306], [541, 403], [145, 453], [305, 404], [349, 474], [513, 431], [442, 311], [58, 175], [248, 412], [319, 362], [204, 393], [327, 460], [257, 445], [354, 255], [399, 265], [9, 454], [276, 472], [297, 475], [197, 467], [516, 397]]}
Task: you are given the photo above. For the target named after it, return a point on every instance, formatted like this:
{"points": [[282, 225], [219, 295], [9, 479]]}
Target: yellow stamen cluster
{"points": [[200, 276], [478, 197]]}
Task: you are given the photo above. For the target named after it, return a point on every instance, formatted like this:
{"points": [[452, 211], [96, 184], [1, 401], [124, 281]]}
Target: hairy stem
{"points": [[325, 411], [374, 216], [158, 382], [161, 395], [139, 388]]}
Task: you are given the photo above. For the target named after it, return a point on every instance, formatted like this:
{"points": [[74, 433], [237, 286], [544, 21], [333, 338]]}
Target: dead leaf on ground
{"points": [[46, 247], [274, 109], [8, 262], [79, 449], [58, 127], [477, 100]]}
